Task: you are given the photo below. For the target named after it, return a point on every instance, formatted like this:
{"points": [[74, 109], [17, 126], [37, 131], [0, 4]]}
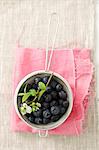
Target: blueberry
{"points": [[45, 79], [31, 119], [62, 94], [38, 120], [45, 104], [19, 100], [37, 113], [59, 87], [55, 118], [48, 98], [46, 121], [46, 113], [53, 103], [35, 86], [55, 110], [53, 84], [54, 94], [60, 101], [66, 104], [62, 110], [37, 80], [48, 89]]}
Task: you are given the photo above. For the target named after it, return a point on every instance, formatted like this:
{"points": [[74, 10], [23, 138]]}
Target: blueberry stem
{"points": [[49, 79]]}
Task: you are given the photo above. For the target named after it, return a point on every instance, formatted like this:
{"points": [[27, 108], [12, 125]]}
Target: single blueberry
{"points": [[55, 110], [46, 121], [48, 89], [38, 120], [45, 79], [53, 84], [54, 94], [48, 98], [19, 101], [37, 113], [37, 80], [60, 101], [62, 110], [59, 87], [46, 113], [53, 103], [35, 86], [66, 104], [62, 95], [45, 105]]}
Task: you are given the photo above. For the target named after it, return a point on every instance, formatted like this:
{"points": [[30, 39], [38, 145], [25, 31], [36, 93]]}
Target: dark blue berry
{"points": [[19, 101], [48, 98], [45, 105], [60, 101], [48, 89], [37, 80], [37, 113], [62, 110], [31, 119], [62, 95], [59, 87], [46, 114], [45, 79], [46, 121], [54, 94], [38, 120], [55, 110], [55, 118], [53, 84], [66, 104], [53, 103], [35, 86]]}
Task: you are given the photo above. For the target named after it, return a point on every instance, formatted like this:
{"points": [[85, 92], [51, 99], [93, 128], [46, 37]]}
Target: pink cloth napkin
{"points": [[75, 66]]}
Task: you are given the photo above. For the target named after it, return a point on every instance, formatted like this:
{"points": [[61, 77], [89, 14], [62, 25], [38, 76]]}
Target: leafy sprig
{"points": [[33, 105]]}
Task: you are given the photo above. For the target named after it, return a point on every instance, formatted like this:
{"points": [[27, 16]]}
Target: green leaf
{"points": [[25, 97], [42, 86], [21, 94], [41, 93], [32, 92]]}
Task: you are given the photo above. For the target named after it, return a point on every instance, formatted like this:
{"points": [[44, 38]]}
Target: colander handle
{"points": [[43, 133], [48, 61]]}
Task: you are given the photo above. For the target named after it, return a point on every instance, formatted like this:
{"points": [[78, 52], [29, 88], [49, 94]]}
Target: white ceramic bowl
{"points": [[66, 87]]}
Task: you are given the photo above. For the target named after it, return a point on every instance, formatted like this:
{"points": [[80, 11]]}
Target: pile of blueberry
{"points": [[54, 102]]}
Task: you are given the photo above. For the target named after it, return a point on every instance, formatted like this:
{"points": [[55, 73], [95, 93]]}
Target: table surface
{"points": [[76, 29]]}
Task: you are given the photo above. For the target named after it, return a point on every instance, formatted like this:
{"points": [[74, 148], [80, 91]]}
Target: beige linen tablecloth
{"points": [[76, 29]]}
